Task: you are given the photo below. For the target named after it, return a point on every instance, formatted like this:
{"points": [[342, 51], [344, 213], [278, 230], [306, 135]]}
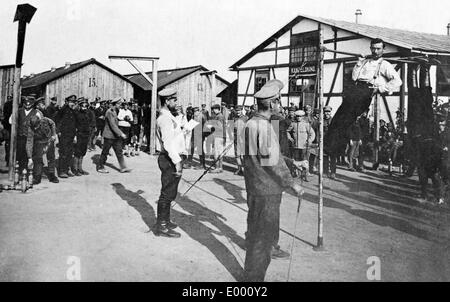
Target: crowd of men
{"points": [[70, 130]]}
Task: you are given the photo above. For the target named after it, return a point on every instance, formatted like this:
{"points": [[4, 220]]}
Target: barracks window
{"points": [[261, 78], [304, 47], [443, 77]]}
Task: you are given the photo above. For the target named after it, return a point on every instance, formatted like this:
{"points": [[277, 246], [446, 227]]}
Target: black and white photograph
{"points": [[231, 142]]}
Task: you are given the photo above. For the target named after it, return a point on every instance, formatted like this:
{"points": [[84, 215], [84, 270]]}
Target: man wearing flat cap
{"points": [[113, 137], [266, 177], [26, 113], [172, 148], [66, 127], [84, 124]]}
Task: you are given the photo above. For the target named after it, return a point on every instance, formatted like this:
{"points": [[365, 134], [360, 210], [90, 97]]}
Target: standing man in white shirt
{"points": [[170, 161], [371, 75], [125, 117]]}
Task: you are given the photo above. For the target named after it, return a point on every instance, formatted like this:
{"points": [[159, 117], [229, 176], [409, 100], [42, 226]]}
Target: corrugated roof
{"points": [[48, 76], [410, 40], [399, 37], [166, 77]]}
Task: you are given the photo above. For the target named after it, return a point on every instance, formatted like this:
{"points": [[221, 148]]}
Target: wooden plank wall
{"points": [[6, 84], [81, 83], [196, 89]]}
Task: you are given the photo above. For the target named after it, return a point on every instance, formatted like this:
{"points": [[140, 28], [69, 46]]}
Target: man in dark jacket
{"points": [[266, 177], [84, 128], [113, 137], [66, 127]]}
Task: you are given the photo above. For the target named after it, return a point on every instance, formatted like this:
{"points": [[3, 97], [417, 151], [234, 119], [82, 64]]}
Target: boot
{"points": [[80, 167], [37, 172], [52, 178], [170, 224], [74, 167], [123, 167], [161, 227]]}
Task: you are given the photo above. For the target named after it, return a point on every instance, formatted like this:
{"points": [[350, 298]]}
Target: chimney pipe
{"points": [[448, 29], [357, 14]]}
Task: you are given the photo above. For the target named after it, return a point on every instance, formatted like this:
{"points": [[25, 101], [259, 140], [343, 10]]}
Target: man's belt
{"points": [[362, 83]]}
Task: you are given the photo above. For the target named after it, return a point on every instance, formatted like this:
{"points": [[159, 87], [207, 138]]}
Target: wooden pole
{"points": [[24, 14], [319, 245], [377, 127], [154, 107], [403, 96]]}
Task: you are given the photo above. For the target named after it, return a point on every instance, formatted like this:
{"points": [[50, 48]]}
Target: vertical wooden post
{"points": [[403, 96], [377, 126], [24, 14], [154, 107], [213, 88], [319, 245]]}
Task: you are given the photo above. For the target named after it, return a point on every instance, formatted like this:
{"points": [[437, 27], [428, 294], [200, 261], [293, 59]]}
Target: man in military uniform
{"points": [[113, 137], [205, 112], [50, 112], [42, 133], [371, 75], [170, 161], [66, 127], [266, 177], [84, 127]]}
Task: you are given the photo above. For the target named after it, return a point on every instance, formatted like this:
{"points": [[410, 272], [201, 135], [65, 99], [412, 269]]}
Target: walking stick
{"points": [[300, 197], [206, 171]]}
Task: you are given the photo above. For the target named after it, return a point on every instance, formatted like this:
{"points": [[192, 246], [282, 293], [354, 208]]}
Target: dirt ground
{"points": [[104, 221]]}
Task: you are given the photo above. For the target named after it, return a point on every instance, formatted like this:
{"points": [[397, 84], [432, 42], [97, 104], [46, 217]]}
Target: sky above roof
{"points": [[212, 33]]}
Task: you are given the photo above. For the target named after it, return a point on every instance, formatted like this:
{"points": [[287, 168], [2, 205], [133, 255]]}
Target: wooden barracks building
{"points": [[89, 79], [290, 55], [194, 85]]}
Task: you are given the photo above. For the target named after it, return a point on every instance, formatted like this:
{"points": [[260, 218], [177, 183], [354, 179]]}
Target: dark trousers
{"points": [[38, 162], [169, 187], [147, 136], [92, 137], [7, 144], [263, 224], [51, 158], [117, 145], [330, 162], [300, 154], [169, 182], [357, 99], [66, 148], [81, 145], [21, 153]]}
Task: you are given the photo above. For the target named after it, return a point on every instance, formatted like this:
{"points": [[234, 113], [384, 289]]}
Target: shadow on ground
{"points": [[193, 225], [96, 160]]}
